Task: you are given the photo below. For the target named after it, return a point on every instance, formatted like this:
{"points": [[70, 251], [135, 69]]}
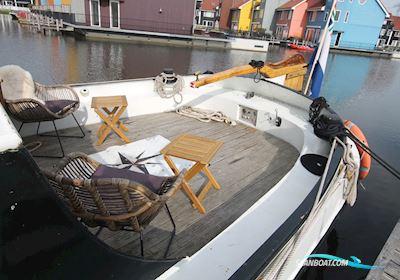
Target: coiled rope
{"points": [[204, 115], [169, 86]]}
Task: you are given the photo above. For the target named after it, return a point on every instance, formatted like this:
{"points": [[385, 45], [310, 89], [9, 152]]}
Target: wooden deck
{"points": [[389, 258], [249, 164]]}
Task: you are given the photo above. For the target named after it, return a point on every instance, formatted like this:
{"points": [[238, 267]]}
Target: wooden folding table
{"points": [[200, 150], [102, 105]]}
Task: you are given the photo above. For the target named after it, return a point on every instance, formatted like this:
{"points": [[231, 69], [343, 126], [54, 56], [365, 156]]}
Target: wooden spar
{"points": [[294, 68]]}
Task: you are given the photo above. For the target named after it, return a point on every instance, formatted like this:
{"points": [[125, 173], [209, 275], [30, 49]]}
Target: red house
{"points": [[172, 16], [291, 18]]}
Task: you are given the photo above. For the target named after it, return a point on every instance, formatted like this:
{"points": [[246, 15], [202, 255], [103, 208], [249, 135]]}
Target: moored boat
{"points": [[285, 171], [301, 48]]}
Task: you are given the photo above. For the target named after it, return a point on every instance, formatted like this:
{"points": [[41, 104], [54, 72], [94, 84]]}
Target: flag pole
{"points": [[321, 43]]}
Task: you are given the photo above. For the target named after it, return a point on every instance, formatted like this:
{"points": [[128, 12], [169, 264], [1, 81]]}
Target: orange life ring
{"points": [[365, 158]]}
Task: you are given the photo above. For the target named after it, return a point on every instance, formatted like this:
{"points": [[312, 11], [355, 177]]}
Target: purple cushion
{"points": [[60, 106], [154, 183]]}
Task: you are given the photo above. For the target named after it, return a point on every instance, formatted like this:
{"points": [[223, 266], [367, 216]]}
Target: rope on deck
{"points": [[204, 115], [169, 86]]}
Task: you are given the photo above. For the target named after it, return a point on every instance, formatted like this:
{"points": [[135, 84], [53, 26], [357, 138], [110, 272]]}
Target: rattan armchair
{"points": [[51, 103], [115, 203]]}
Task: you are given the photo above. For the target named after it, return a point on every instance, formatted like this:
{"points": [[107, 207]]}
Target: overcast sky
{"points": [[393, 6]]}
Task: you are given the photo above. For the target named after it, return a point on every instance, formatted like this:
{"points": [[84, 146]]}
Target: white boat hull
{"points": [[225, 254]]}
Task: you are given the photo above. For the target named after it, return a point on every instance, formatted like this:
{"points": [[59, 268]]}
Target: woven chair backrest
{"points": [[109, 202]]}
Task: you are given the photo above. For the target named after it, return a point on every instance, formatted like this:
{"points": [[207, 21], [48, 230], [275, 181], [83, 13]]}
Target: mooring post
{"points": [[38, 23]]}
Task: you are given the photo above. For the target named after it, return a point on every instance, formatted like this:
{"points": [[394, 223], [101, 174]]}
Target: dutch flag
{"points": [[321, 56]]}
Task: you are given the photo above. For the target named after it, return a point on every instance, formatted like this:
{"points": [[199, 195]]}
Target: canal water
{"points": [[363, 89]]}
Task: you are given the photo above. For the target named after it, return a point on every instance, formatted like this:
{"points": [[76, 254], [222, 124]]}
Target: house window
{"points": [[381, 43], [313, 16], [383, 31], [346, 17], [397, 34], [208, 14], [289, 16], [337, 15], [235, 15], [234, 26], [114, 14], [326, 16], [362, 2], [95, 12], [208, 23], [389, 33], [316, 36], [281, 14]]}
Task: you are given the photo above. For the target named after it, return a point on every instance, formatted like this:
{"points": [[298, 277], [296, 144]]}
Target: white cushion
{"points": [[17, 83]]}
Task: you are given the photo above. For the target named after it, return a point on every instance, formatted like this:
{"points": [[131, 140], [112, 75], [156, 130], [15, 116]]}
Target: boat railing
{"points": [[335, 143]]}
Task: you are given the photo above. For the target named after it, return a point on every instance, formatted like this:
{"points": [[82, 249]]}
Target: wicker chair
{"points": [[118, 204], [53, 103]]}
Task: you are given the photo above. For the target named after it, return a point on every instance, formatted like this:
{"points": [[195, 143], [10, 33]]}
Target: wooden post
{"points": [[38, 23]]}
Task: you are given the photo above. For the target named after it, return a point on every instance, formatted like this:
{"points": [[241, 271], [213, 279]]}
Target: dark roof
{"points": [[290, 4]]}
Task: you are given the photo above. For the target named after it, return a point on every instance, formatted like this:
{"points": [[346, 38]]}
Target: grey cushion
{"points": [[154, 183], [60, 106]]}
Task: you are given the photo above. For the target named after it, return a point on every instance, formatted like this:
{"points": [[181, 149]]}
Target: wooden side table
{"points": [[101, 105], [200, 150]]}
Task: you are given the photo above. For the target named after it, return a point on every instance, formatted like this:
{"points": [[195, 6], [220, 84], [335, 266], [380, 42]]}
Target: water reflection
{"points": [[344, 69], [87, 61]]}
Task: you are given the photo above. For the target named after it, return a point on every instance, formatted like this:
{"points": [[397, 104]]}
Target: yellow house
{"points": [[241, 15]]}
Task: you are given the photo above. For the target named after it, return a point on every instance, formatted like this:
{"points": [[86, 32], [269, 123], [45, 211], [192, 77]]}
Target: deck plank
{"points": [[248, 164]]}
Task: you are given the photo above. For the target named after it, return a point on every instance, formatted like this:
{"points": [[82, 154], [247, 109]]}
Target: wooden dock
{"points": [[43, 23], [389, 258]]}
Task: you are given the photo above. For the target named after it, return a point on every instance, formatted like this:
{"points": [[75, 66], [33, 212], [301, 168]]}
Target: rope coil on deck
{"points": [[204, 115], [169, 86]]}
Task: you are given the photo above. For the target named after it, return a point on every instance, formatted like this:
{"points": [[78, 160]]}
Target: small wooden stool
{"points": [[110, 117], [200, 150]]}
